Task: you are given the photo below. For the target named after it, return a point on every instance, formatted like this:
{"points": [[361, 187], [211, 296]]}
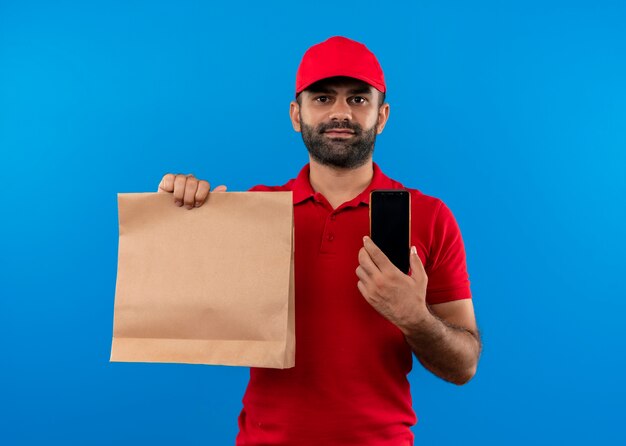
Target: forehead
{"points": [[334, 84]]}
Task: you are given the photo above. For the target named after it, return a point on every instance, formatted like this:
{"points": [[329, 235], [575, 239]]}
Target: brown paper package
{"points": [[211, 285]]}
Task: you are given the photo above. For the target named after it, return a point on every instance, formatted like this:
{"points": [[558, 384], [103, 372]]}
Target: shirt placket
{"points": [[329, 233]]}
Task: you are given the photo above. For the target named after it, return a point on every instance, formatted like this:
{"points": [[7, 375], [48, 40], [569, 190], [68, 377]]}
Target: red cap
{"points": [[339, 56]]}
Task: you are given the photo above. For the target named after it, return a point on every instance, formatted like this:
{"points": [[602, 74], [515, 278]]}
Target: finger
{"points": [[179, 189], [221, 188], [362, 288], [367, 263], [191, 187], [362, 275], [378, 257], [417, 268], [167, 183], [202, 192]]}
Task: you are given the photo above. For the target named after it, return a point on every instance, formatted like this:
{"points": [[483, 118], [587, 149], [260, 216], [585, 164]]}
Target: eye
{"points": [[359, 100], [322, 99]]}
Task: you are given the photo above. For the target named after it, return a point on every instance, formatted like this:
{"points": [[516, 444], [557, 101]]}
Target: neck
{"points": [[340, 185]]}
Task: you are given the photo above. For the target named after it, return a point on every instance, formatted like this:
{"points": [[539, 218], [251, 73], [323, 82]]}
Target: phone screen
{"points": [[390, 219]]}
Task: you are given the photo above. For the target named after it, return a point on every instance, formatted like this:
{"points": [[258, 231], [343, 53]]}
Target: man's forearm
{"points": [[448, 351]]}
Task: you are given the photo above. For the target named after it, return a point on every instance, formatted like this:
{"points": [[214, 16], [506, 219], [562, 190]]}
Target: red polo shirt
{"points": [[349, 385]]}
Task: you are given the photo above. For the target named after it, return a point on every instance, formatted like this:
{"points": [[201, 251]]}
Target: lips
{"points": [[339, 133]]}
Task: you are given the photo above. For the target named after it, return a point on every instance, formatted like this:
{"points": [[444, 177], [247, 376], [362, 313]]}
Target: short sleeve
{"points": [[259, 188], [446, 266]]}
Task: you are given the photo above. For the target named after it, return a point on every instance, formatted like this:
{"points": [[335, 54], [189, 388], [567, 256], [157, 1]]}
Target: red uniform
{"points": [[349, 385]]}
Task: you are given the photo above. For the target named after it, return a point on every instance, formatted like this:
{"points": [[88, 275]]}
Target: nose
{"points": [[340, 111]]}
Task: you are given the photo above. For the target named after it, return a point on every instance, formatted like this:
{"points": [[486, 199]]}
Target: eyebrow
{"points": [[328, 90]]}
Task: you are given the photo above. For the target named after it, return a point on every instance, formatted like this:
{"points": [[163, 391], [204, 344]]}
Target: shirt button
{"points": [[331, 237]]}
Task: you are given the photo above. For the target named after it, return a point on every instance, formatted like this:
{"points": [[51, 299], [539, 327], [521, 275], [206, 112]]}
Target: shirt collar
{"points": [[302, 189]]}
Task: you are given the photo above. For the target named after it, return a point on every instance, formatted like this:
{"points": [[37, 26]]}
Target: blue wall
{"points": [[514, 113]]}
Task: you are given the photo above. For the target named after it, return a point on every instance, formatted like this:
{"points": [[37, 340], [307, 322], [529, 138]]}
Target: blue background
{"points": [[513, 113]]}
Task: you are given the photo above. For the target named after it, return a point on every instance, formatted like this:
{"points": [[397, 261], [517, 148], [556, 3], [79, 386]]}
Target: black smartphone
{"points": [[390, 224]]}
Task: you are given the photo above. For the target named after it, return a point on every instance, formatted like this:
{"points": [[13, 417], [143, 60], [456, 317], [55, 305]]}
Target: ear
{"points": [[294, 114], [383, 115]]}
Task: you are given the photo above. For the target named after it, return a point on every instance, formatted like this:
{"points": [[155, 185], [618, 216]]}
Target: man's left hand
{"points": [[398, 297]]}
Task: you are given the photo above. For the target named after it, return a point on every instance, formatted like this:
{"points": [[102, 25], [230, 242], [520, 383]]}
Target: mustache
{"points": [[356, 128]]}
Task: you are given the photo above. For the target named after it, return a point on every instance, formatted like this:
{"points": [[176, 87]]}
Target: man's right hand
{"points": [[187, 189]]}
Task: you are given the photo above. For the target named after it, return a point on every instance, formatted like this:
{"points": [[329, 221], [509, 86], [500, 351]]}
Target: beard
{"points": [[343, 153]]}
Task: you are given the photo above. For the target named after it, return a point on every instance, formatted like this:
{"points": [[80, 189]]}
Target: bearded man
{"points": [[359, 319]]}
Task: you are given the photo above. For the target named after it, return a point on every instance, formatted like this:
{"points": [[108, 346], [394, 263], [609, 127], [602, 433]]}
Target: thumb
{"points": [[416, 263], [221, 188]]}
